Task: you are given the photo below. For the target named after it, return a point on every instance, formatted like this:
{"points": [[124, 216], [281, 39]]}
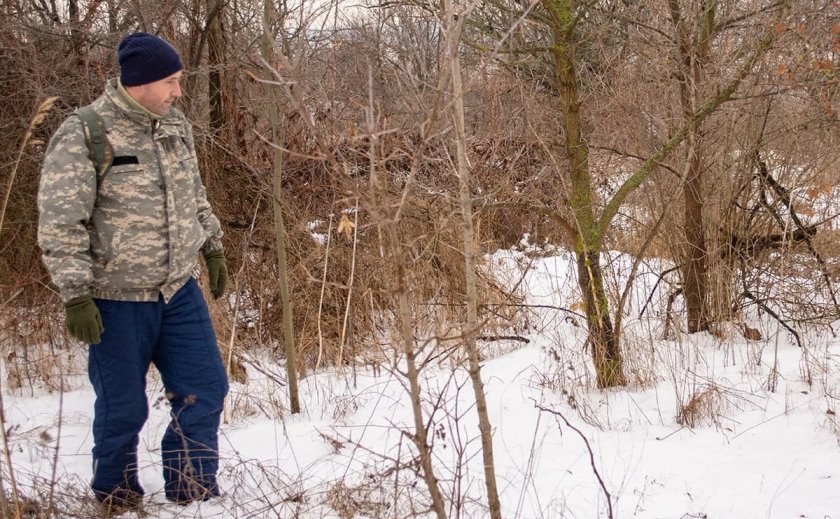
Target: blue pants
{"points": [[178, 338]]}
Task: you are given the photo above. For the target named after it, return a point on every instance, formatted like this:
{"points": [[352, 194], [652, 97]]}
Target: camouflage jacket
{"points": [[134, 233]]}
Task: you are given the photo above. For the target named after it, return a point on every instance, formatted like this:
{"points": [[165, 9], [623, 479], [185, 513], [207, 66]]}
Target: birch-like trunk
{"points": [[471, 325]]}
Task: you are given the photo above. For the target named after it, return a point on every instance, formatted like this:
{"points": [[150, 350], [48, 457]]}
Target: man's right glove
{"points": [[83, 319], [217, 271]]}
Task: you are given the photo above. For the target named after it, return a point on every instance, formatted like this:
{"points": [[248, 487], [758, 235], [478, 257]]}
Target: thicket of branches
{"points": [[754, 170]]}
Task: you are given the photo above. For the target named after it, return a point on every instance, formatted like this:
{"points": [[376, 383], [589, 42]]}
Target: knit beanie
{"points": [[146, 58]]}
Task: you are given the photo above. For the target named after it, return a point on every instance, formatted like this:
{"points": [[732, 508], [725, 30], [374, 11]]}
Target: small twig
{"points": [[321, 299], [675, 431], [785, 412], [514, 305], [666, 332], [257, 365], [517, 338], [8, 459], [236, 304], [634, 269], [591, 455], [291, 153], [54, 478], [655, 286], [349, 286], [763, 305]]}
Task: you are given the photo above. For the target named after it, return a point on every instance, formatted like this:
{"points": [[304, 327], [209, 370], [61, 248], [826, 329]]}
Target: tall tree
{"points": [[588, 234], [453, 39], [215, 62], [270, 22], [693, 54]]}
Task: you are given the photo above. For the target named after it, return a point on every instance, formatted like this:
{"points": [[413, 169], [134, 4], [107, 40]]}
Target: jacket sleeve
{"points": [[66, 196], [208, 220]]}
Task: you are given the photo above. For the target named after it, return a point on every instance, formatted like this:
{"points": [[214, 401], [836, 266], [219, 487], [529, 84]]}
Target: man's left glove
{"points": [[217, 268]]}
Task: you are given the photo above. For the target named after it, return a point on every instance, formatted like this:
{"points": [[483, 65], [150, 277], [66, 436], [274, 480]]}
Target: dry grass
{"points": [[709, 404], [351, 502]]}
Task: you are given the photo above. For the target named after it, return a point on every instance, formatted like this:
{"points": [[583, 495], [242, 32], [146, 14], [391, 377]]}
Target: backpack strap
{"points": [[101, 152]]}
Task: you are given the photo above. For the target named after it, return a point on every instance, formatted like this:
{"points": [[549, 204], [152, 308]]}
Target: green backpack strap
{"points": [[100, 150]]}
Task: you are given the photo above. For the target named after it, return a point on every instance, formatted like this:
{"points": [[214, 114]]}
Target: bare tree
{"points": [[270, 23], [453, 37], [216, 62], [693, 52]]}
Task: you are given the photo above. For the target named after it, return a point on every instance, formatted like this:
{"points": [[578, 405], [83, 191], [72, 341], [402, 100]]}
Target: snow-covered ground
{"points": [[763, 443]]}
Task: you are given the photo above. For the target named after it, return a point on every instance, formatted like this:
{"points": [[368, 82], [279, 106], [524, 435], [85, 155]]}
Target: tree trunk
{"points": [[113, 15], [279, 224], [74, 21], [606, 352], [695, 271], [215, 62], [470, 327], [691, 63], [604, 343]]}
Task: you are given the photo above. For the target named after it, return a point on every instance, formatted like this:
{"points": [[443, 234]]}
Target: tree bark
{"points": [[695, 268], [113, 15], [604, 344], [74, 21]]}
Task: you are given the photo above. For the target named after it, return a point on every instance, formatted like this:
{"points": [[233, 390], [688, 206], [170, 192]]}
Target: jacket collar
{"points": [[132, 109]]}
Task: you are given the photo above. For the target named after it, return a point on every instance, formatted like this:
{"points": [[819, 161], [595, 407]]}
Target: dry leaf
{"points": [[345, 226], [751, 334]]}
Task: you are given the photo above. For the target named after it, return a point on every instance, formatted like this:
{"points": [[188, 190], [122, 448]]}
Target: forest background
{"points": [[365, 158]]}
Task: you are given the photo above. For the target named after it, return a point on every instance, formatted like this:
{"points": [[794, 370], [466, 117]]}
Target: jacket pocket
{"points": [[126, 186]]}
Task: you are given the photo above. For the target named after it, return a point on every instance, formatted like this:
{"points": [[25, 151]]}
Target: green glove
{"points": [[217, 268], [83, 319]]}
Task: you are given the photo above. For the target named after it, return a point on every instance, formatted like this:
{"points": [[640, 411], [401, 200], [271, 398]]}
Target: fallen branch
{"points": [[517, 338], [765, 175]]}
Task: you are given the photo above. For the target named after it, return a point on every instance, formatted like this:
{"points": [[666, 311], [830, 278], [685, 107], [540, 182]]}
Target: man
{"points": [[121, 246]]}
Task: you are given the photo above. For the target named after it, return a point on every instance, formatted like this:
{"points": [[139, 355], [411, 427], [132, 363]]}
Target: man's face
{"points": [[158, 96]]}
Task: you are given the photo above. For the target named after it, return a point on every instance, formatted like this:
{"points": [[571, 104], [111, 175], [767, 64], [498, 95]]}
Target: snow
{"points": [[751, 452]]}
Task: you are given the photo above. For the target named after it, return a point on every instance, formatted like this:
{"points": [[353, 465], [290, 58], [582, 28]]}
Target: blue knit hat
{"points": [[146, 58]]}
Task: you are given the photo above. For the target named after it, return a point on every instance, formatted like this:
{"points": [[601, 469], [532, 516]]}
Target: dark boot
{"points": [[119, 502]]}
